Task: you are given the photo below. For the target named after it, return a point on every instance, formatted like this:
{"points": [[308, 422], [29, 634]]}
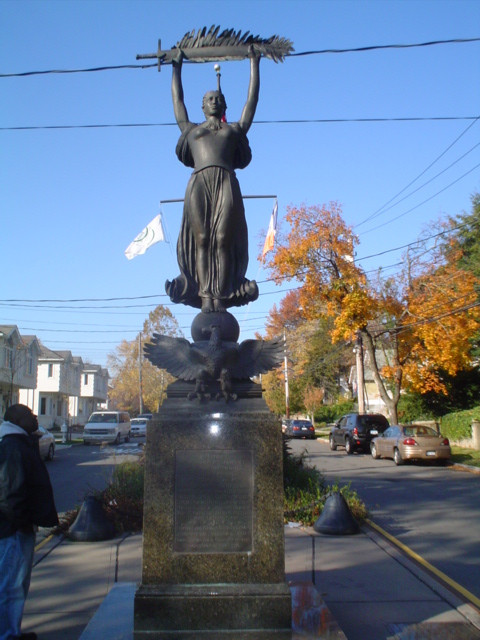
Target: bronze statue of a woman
{"points": [[212, 248]]}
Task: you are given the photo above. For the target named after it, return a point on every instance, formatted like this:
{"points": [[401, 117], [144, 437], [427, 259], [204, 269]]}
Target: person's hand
{"points": [[253, 53], [178, 58]]}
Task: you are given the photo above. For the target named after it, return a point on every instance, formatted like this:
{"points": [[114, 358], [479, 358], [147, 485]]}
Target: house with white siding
{"points": [[18, 365], [372, 398], [93, 391], [58, 378]]}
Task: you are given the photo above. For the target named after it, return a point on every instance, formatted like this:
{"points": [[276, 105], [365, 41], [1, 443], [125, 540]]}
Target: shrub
{"points": [[457, 426], [305, 492], [412, 406], [331, 412], [122, 499]]}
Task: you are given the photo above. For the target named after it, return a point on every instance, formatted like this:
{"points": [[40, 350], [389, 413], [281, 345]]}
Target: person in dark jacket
{"points": [[26, 502]]}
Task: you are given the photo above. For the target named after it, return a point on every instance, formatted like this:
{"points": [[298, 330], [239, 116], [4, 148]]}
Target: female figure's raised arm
{"points": [[248, 112], [179, 107]]}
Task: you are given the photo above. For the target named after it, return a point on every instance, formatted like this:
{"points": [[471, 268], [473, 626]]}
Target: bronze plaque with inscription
{"points": [[213, 501]]}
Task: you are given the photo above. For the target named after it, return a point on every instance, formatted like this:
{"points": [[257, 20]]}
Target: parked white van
{"points": [[107, 426]]}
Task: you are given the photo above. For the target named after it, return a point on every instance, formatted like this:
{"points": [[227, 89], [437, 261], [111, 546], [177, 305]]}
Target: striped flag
{"points": [[272, 230], [149, 236]]}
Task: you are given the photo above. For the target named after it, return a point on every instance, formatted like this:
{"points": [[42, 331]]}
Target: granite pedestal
{"points": [[213, 547]]}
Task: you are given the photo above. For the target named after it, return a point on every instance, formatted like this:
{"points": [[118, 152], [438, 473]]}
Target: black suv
{"points": [[355, 431]]}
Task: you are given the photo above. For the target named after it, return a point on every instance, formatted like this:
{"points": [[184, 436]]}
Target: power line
{"points": [[412, 325], [428, 181], [421, 241], [382, 209], [383, 224], [291, 55], [31, 303], [24, 303], [300, 272], [386, 46], [256, 122]]}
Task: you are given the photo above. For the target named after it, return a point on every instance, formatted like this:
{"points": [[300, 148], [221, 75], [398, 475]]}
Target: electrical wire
{"points": [[424, 321], [401, 215], [383, 208], [306, 121], [7, 303], [290, 55]]}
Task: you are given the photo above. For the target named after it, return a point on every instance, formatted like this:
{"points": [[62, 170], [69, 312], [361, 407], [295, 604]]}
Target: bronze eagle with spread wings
{"points": [[206, 361]]}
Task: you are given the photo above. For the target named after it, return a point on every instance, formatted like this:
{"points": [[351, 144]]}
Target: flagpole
{"points": [[244, 197]]}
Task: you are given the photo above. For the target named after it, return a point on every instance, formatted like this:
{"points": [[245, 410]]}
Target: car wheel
{"points": [[349, 446], [333, 446], [127, 438], [397, 457], [117, 439], [51, 452], [374, 452]]}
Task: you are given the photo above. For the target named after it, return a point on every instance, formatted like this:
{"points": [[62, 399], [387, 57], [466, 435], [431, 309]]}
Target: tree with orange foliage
{"points": [[124, 364], [313, 361], [313, 399], [420, 320]]}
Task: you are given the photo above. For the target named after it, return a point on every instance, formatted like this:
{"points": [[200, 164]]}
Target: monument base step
{"points": [[311, 619], [213, 608]]}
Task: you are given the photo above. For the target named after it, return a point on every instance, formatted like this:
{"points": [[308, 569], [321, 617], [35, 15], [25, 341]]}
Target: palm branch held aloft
{"points": [[212, 248]]}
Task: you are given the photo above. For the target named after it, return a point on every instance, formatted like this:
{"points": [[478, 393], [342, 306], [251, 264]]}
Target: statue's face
{"points": [[213, 104]]}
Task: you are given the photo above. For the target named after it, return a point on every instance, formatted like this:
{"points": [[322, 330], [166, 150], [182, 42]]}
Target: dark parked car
{"points": [[300, 429], [355, 431], [411, 442]]}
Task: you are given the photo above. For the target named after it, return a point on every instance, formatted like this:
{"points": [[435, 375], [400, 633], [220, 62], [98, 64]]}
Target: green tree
{"points": [[469, 237], [313, 361], [124, 365]]}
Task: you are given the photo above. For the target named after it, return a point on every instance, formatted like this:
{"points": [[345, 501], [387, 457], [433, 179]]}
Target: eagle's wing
{"points": [[257, 356], [176, 355]]}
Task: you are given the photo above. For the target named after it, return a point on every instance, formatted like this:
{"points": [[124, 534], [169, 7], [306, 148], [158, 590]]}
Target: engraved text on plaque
{"points": [[213, 501]]}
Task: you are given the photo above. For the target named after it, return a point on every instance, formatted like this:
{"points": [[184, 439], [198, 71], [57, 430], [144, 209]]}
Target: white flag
{"points": [[272, 230], [149, 236]]}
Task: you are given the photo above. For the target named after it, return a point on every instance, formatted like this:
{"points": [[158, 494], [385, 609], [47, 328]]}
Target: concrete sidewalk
{"points": [[369, 588]]}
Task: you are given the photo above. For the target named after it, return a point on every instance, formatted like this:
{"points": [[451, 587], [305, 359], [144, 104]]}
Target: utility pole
{"points": [[140, 382], [287, 399], [360, 374]]}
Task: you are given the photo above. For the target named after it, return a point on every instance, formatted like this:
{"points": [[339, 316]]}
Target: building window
{"points": [[30, 363], [50, 370], [85, 379], [43, 406], [8, 358]]}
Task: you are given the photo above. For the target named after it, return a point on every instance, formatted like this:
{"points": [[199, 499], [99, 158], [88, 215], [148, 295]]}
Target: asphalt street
{"points": [[77, 470], [433, 510]]}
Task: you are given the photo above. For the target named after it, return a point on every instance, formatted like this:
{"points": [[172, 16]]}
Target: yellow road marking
{"points": [[458, 587], [43, 542]]}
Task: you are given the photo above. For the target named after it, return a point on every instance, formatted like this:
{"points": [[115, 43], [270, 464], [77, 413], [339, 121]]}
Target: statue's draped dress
{"points": [[213, 195]]}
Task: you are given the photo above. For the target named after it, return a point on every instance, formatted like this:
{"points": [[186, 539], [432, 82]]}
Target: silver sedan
{"points": [[46, 443]]}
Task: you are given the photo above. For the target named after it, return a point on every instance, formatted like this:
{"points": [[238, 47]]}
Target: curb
{"points": [[464, 467], [468, 605]]}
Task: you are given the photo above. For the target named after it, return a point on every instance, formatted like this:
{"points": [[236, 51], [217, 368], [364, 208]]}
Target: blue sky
{"points": [[72, 199]]}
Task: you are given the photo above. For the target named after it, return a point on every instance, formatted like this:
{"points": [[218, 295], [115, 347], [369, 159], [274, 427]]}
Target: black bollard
{"points": [[336, 518], [91, 523]]}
